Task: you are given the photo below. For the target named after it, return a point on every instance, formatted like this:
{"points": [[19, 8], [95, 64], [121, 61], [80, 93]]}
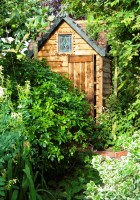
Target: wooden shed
{"points": [[71, 52]]}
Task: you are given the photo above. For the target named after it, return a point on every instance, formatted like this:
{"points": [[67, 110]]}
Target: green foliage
{"points": [[20, 22], [18, 180], [72, 184], [115, 125], [44, 120], [120, 178], [55, 113], [120, 21]]}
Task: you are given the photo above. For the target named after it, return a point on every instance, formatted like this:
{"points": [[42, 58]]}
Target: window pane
{"points": [[65, 43]]}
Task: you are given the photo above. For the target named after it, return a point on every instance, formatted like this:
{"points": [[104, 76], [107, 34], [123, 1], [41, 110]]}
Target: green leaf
{"points": [[15, 195], [32, 191], [2, 181], [2, 193]]}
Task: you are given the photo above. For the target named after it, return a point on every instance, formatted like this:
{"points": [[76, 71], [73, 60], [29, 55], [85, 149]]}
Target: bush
{"points": [[55, 114], [115, 125], [120, 178], [35, 132]]}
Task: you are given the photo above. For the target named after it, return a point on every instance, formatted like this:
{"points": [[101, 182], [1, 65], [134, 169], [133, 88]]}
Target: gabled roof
{"points": [[100, 50]]}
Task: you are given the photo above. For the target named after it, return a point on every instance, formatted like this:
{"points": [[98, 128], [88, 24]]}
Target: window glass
{"points": [[65, 43]]}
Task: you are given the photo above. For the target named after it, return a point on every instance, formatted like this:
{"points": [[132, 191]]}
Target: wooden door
{"points": [[81, 72]]}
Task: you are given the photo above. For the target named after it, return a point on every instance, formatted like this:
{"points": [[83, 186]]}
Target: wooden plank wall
{"points": [[81, 72]]}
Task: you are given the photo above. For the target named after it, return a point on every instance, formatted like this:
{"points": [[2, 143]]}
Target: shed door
{"points": [[81, 72]]}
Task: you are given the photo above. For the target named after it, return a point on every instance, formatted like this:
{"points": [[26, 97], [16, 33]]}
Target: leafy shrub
{"points": [[115, 125], [13, 137], [120, 178], [71, 185], [55, 113], [18, 180]]}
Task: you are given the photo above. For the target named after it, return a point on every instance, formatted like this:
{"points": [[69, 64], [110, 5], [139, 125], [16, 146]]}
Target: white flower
{"points": [[26, 43], [17, 116], [4, 40], [51, 18], [10, 39], [7, 40], [23, 50], [13, 115], [1, 92], [19, 106]]}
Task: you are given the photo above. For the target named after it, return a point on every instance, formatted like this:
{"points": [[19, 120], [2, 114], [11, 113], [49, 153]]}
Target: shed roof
{"points": [[100, 50]]}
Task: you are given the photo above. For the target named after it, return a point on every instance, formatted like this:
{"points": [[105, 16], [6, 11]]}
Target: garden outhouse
{"points": [[71, 52]]}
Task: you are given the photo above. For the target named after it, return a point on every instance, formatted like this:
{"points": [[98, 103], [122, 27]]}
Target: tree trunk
{"points": [[35, 48]]}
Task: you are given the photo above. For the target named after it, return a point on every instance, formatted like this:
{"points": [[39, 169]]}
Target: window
{"points": [[65, 43]]}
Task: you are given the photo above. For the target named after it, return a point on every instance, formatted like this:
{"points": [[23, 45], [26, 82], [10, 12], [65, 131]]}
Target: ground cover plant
{"points": [[120, 178], [103, 178]]}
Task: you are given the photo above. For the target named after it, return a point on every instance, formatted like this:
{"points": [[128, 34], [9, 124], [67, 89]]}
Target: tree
{"points": [[54, 5], [20, 22]]}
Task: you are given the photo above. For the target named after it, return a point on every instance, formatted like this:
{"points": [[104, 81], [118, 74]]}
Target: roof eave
{"points": [[91, 42], [47, 35], [101, 51]]}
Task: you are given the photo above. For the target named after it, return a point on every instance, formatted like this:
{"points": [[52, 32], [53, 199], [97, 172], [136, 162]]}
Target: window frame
{"points": [[71, 41]]}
